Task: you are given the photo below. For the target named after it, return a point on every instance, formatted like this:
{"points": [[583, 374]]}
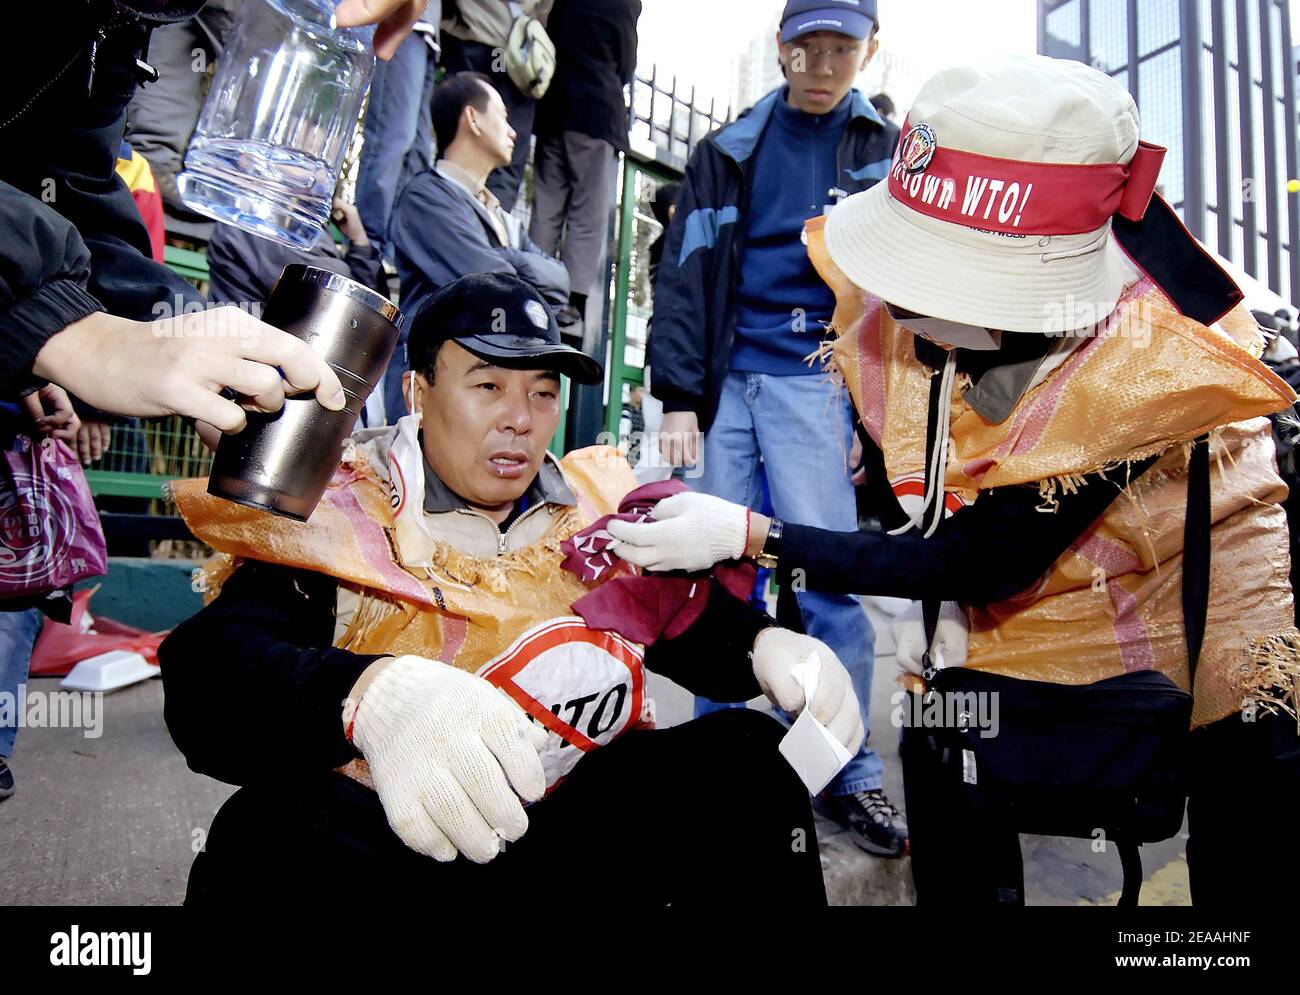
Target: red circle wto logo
{"points": [[37, 527]]}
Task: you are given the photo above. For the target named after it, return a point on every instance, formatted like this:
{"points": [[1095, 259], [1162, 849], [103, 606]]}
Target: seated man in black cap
{"points": [[402, 679]]}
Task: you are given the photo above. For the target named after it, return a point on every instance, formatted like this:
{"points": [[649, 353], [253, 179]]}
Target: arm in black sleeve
{"points": [[627, 41], [367, 266], [44, 269], [70, 141], [254, 688], [678, 349], [989, 551], [711, 658]]}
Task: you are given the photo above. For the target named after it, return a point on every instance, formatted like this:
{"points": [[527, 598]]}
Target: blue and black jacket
{"points": [[695, 321]]}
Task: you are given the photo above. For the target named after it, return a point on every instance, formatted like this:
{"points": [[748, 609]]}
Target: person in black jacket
{"points": [[664, 207], [581, 127], [318, 686], [81, 302]]}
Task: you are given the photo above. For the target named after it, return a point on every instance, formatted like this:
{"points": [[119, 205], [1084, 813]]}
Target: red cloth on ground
{"points": [[645, 607], [60, 647]]}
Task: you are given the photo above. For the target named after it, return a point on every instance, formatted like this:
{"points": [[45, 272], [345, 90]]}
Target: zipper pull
{"points": [[94, 52], [145, 72], [501, 543]]}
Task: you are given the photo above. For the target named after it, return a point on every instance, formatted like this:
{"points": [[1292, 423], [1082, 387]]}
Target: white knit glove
{"points": [[834, 704], [950, 637], [445, 749], [690, 531]]}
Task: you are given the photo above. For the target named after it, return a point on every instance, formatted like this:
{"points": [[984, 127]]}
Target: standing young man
{"points": [[738, 307]]}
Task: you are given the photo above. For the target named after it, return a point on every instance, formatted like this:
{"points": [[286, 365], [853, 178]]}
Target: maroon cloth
{"points": [[647, 607]]}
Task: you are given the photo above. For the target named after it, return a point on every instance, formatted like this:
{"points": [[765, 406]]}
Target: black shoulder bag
{"points": [[1072, 760]]}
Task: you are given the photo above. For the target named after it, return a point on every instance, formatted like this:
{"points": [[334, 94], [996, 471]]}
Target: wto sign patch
{"points": [[585, 687]]}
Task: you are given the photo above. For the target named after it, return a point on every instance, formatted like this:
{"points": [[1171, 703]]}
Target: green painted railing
{"points": [[630, 319], [187, 263]]}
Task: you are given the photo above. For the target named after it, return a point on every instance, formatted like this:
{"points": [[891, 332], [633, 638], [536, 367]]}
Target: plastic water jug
{"points": [[277, 122]]}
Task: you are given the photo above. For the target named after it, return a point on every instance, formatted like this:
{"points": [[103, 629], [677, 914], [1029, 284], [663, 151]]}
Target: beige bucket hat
{"points": [[998, 205]]}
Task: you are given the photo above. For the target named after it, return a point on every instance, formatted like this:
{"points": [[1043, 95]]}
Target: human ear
{"points": [[872, 46]]}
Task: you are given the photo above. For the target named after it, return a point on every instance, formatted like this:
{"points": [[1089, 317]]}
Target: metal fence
{"points": [[666, 124], [668, 119], [633, 295]]}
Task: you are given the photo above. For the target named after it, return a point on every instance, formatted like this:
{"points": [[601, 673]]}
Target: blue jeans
{"points": [[18, 631], [802, 428], [397, 134]]}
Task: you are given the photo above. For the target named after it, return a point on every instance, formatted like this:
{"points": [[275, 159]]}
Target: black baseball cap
{"points": [[502, 319], [854, 18]]}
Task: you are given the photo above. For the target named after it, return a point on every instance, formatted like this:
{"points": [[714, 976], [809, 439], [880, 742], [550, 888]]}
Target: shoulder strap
{"points": [[1196, 553]]}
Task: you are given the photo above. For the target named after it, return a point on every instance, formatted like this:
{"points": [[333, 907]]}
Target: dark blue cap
{"points": [[502, 319], [846, 17]]}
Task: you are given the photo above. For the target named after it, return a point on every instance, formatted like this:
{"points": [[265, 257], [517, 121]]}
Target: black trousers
{"points": [[703, 813], [1243, 816]]}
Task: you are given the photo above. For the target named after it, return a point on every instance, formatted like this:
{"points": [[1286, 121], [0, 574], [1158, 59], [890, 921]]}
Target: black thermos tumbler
{"points": [[282, 462]]}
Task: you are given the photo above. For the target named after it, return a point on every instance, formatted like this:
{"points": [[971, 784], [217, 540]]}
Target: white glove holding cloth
{"points": [[690, 531]]}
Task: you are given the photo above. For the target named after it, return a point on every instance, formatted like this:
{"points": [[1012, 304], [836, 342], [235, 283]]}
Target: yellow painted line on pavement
{"points": [[1167, 886]]}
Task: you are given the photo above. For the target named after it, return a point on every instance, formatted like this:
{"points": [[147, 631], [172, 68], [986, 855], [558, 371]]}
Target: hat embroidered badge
{"points": [[918, 149], [536, 313]]}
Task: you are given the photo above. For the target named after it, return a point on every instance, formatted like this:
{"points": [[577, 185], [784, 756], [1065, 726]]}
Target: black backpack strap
{"points": [[930, 618], [1196, 553], [1131, 860]]}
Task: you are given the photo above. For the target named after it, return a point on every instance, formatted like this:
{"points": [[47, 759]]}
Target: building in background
{"points": [[893, 73], [757, 70], [1215, 82]]}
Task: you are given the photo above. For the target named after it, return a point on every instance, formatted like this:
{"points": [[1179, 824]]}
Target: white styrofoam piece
{"points": [[109, 671]]}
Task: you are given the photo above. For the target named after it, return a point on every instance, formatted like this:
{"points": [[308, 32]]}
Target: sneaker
{"points": [[873, 822], [569, 318], [6, 780]]}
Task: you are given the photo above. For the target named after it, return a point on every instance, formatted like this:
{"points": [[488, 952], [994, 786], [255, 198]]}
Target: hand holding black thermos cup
{"points": [[283, 461]]}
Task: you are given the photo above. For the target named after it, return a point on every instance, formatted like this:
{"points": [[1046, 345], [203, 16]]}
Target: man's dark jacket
{"points": [[244, 267], [71, 238], [694, 319], [595, 57], [441, 233]]}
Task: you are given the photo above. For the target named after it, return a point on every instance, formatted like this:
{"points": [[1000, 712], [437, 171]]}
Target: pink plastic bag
{"points": [[50, 535]]}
